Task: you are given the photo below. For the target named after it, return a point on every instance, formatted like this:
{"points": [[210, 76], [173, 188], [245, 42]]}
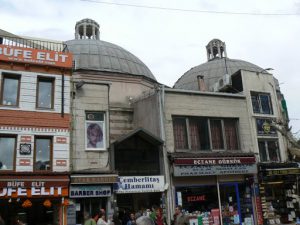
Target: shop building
{"points": [[34, 130], [106, 141]]}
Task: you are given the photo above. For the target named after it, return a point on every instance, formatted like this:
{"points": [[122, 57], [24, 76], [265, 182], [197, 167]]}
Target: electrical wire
{"points": [[192, 10]]}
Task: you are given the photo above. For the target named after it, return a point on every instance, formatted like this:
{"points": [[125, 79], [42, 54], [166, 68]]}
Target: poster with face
{"points": [[94, 135]]}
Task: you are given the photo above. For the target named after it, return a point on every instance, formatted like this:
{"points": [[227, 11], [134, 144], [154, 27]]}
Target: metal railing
{"points": [[31, 43]]}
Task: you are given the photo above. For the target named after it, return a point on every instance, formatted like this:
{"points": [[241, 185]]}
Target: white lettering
{"points": [[59, 190], [48, 57], [35, 191], [63, 58], [4, 192], [22, 192], [43, 191], [40, 55], [10, 191], [27, 54]]}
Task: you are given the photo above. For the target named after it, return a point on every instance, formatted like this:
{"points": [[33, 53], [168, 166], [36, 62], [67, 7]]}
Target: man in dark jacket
{"points": [[181, 219]]}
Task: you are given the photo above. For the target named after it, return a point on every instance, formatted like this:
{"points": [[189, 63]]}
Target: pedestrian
{"points": [[93, 219], [102, 220], [159, 217], [144, 220], [181, 219], [116, 220], [132, 219]]}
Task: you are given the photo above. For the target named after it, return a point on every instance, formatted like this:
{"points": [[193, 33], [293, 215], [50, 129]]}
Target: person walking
{"points": [[93, 219], [132, 219], [181, 219], [102, 219]]}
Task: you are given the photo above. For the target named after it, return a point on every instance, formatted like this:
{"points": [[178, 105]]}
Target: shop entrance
{"points": [[203, 201]]}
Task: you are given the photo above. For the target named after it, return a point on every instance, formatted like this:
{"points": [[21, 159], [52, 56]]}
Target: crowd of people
{"points": [[142, 217]]}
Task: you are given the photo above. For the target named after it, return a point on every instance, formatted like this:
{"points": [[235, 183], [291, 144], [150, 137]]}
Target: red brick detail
{"points": [[25, 138], [61, 140], [61, 162], [34, 119], [24, 162]]}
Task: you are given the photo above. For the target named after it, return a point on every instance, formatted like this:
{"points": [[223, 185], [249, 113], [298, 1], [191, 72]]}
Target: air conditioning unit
{"points": [[224, 81]]}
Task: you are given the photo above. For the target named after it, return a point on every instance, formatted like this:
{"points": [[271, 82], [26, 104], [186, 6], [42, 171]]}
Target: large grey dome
{"points": [[216, 67], [93, 54]]}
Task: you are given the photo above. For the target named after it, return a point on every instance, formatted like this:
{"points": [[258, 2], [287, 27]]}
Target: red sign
{"points": [[196, 198], [25, 138], [215, 161], [35, 56], [260, 219]]}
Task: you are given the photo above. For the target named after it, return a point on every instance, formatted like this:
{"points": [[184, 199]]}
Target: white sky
{"points": [[172, 42]]}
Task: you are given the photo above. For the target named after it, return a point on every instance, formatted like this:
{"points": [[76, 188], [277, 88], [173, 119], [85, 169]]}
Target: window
{"points": [[7, 152], [95, 131], [261, 103], [10, 90], [45, 93], [268, 151], [198, 133], [43, 154]]}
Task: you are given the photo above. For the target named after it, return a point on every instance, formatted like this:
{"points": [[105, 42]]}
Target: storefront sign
{"points": [[283, 172], [196, 198], [35, 56], [94, 179], [207, 170], [215, 161], [89, 191], [139, 184], [33, 186]]}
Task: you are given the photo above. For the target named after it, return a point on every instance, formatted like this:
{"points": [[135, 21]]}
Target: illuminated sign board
{"points": [[35, 56]]}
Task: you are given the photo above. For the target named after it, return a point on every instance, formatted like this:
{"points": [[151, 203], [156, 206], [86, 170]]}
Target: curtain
{"points": [[180, 134], [216, 134], [231, 134]]}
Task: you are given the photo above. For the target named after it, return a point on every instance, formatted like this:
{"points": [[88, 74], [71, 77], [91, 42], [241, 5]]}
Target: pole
{"points": [[219, 200]]}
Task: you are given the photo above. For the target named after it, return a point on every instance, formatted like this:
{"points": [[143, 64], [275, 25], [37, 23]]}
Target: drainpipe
{"points": [[165, 157]]}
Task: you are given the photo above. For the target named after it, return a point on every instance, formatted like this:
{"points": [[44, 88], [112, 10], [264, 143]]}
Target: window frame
{"points": [[51, 153], [101, 124], [266, 149], [47, 79], [11, 76], [14, 151], [259, 101], [209, 130]]}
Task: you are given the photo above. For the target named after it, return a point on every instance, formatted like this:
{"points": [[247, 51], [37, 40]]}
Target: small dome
{"points": [[91, 53], [217, 66]]}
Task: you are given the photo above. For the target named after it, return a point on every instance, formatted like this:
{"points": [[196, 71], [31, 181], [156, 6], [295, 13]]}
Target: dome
{"points": [[91, 53], [217, 66]]}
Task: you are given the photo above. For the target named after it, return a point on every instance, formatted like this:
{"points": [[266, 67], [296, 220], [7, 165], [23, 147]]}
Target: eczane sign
{"points": [[35, 56]]}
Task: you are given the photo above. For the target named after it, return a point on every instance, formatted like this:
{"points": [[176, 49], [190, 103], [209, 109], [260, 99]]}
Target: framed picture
{"points": [[95, 131]]}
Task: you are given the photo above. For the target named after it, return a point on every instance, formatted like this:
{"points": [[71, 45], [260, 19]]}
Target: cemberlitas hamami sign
{"points": [[35, 56]]}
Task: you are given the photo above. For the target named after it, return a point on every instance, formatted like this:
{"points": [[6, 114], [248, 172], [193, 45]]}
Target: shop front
{"points": [[215, 189], [34, 199], [136, 193], [90, 193], [279, 192]]}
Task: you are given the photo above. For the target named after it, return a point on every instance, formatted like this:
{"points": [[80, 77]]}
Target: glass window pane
{"points": [[262, 151], [7, 153], [231, 134], [255, 103], [45, 94], [10, 91], [204, 134], [265, 104], [43, 149], [216, 134], [273, 151], [180, 133]]}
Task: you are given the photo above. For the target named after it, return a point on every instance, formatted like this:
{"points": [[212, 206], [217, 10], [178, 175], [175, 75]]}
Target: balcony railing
{"points": [[32, 43]]}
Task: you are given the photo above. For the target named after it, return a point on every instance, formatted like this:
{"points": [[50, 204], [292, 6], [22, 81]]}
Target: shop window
{"points": [[10, 90], [7, 152], [45, 93], [196, 133], [268, 151], [95, 131], [261, 103], [43, 154]]}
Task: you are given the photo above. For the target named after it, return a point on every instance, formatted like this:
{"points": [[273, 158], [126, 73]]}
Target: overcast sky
{"points": [[170, 42]]}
